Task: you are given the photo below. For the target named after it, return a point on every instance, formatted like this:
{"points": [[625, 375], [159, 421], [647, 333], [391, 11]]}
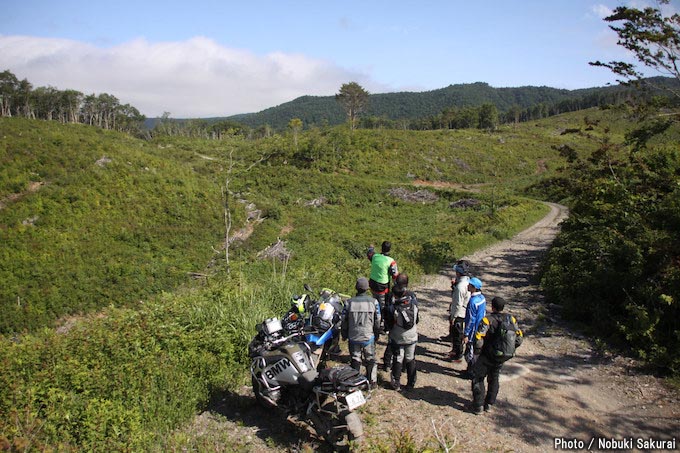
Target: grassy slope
{"points": [[57, 387], [94, 235]]}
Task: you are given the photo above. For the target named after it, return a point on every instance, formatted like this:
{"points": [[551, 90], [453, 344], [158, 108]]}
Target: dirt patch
{"points": [[253, 218], [419, 196], [541, 166], [277, 251], [286, 230], [558, 387], [32, 187], [465, 203]]}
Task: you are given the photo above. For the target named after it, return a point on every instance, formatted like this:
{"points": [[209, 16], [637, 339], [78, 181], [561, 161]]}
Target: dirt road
{"points": [[558, 392]]}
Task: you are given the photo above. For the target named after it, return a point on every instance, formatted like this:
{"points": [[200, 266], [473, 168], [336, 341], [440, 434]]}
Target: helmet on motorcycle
{"points": [[325, 294], [326, 311], [335, 301], [323, 315], [299, 303]]}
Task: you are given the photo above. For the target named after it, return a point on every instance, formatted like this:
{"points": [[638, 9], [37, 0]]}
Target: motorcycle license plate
{"points": [[355, 399]]}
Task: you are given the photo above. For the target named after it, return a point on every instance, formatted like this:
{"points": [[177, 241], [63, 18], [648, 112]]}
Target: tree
{"points": [[488, 116], [651, 37], [70, 105], [353, 99], [24, 99], [295, 125], [9, 85]]}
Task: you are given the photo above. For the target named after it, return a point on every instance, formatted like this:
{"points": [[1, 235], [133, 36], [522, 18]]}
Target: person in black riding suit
{"points": [[488, 365]]}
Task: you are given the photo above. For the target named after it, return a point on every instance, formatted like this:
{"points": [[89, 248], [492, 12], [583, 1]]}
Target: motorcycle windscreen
{"points": [[320, 340]]}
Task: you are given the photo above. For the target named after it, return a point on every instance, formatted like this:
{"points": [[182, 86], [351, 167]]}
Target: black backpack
{"points": [[405, 313], [505, 341]]}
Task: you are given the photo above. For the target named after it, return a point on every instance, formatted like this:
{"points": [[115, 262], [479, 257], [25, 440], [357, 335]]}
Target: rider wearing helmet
{"points": [[460, 297], [476, 310]]}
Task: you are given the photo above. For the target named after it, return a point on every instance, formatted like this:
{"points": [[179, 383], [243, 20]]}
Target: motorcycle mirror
{"points": [[307, 288]]}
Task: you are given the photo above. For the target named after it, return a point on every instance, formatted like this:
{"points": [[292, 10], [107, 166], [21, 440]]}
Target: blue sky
{"points": [[207, 58]]}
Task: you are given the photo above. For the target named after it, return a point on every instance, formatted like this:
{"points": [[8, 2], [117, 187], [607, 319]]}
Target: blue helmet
{"points": [[477, 283], [462, 267]]}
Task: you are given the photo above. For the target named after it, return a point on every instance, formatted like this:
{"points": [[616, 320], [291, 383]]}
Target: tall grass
{"points": [[120, 380]]}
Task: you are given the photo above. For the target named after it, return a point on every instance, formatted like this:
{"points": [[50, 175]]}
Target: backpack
{"points": [[505, 341], [404, 313]]}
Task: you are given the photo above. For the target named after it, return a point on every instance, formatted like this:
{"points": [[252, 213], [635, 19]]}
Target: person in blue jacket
{"points": [[476, 310]]}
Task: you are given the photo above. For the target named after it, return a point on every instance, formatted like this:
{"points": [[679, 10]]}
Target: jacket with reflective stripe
{"points": [[474, 314], [361, 319]]}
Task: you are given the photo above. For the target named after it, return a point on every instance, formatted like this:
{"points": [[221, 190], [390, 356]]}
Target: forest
{"points": [[462, 106]]}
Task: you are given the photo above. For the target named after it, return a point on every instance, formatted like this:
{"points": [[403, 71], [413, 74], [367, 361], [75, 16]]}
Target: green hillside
{"points": [[115, 230], [414, 106], [92, 218]]}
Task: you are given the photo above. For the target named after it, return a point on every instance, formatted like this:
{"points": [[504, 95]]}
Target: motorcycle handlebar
{"points": [[282, 340]]}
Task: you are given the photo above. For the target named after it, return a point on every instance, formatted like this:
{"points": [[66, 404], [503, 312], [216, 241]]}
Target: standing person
{"points": [[476, 310], [497, 338], [402, 281], [460, 297], [401, 321], [383, 269], [361, 326]]}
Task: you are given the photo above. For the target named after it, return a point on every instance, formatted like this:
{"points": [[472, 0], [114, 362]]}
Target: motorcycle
{"points": [[284, 376]]}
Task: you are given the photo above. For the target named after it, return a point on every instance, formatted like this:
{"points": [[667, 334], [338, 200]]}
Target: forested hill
{"points": [[319, 110]]}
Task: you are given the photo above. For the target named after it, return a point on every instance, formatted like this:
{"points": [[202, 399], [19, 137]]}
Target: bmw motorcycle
{"points": [[284, 376]]}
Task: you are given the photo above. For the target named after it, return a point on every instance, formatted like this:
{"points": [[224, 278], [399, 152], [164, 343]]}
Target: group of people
{"points": [[484, 340], [393, 311]]}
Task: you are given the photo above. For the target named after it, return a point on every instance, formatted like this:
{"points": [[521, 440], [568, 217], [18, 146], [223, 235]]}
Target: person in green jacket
{"points": [[383, 269]]}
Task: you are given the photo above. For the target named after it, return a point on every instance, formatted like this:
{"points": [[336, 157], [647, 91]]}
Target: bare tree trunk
{"points": [[227, 212]]}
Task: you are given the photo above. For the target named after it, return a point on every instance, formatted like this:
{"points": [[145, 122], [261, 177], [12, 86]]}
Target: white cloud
{"points": [[601, 10], [193, 78]]}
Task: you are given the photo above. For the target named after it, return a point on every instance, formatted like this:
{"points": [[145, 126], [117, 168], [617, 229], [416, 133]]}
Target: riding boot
{"points": [[356, 364], [396, 375], [372, 372], [387, 357], [410, 373]]}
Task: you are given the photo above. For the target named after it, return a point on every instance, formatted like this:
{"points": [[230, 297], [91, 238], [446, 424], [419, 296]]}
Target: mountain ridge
{"points": [[412, 105]]}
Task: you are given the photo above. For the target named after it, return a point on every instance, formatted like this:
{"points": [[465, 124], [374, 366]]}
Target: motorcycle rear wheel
{"points": [[349, 431]]}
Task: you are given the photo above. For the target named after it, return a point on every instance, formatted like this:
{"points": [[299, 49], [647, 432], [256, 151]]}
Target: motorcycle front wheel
{"points": [[257, 390]]}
